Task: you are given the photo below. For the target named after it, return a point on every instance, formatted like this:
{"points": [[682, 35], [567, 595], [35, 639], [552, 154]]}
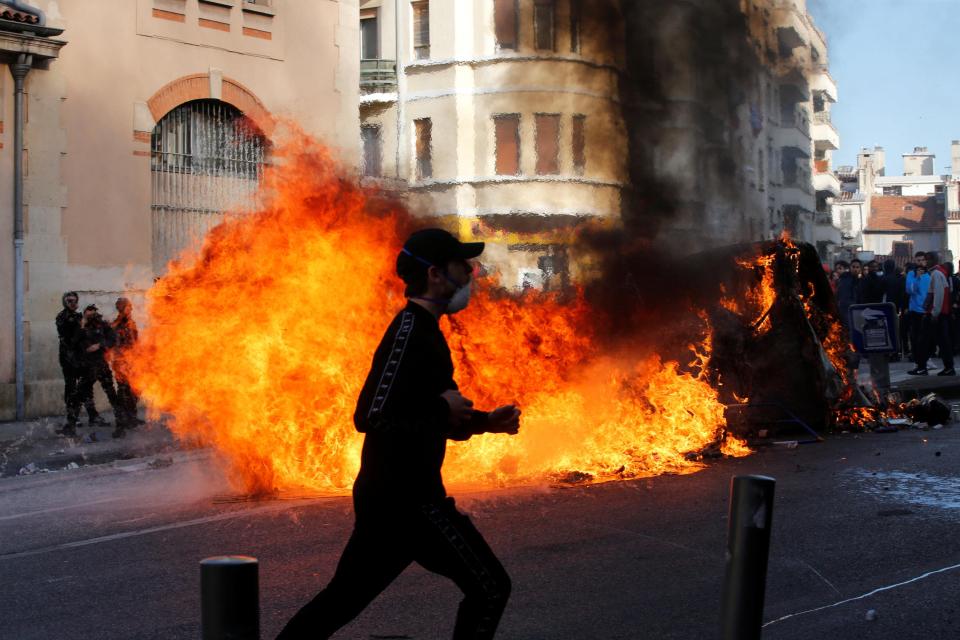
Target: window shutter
{"points": [[507, 142], [548, 143], [505, 23]]}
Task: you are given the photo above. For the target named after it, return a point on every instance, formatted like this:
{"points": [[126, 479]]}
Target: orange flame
{"points": [[258, 344]]}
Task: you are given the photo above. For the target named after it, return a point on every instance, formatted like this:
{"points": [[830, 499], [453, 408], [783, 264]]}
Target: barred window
{"points": [[547, 143], [505, 23], [424, 132]]}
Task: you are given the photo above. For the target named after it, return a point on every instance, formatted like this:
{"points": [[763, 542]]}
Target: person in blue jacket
{"points": [[918, 283]]}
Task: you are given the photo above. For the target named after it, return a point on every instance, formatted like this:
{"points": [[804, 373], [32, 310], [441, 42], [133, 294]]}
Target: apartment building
{"points": [[497, 117], [895, 215], [142, 121], [518, 119]]}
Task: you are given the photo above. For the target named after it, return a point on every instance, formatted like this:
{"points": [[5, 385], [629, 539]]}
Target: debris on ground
{"points": [[871, 614], [72, 465], [160, 463], [90, 438], [28, 469]]}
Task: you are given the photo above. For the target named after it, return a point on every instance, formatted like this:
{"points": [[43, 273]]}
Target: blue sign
{"points": [[873, 327]]}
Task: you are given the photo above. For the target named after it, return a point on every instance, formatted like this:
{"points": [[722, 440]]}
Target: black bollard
{"points": [[748, 547], [230, 598]]}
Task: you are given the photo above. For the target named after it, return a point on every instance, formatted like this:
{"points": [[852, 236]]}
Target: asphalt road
{"points": [[112, 552]]}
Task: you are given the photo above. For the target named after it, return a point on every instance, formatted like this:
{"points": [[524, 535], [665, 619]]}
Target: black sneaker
{"points": [[97, 421], [917, 372], [119, 432], [948, 372], [69, 430]]}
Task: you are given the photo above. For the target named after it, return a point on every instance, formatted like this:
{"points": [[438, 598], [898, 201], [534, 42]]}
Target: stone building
{"points": [[498, 116], [694, 124], [143, 121]]}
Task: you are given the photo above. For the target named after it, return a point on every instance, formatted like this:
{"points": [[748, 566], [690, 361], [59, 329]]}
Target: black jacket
{"points": [[68, 330], [872, 288], [405, 420], [96, 332]]}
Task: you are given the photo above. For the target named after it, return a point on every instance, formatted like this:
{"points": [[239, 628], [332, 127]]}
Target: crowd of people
{"points": [[926, 294], [91, 351]]}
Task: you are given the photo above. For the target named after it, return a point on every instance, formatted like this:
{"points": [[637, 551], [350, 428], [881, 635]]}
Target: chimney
{"points": [[918, 163]]}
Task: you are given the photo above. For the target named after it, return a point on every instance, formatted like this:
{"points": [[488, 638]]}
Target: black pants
{"points": [[920, 338], [126, 397], [905, 339], [92, 373], [436, 536], [942, 333], [71, 381]]}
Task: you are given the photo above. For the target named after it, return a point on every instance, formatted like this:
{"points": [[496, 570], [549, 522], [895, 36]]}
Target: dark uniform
{"points": [[68, 330], [93, 368], [125, 333], [403, 514]]}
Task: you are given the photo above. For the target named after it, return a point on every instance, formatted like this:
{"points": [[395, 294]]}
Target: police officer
{"points": [[408, 408], [68, 328], [125, 332], [90, 347]]}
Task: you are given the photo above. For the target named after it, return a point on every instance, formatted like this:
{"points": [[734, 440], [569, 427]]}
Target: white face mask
{"points": [[459, 300]]}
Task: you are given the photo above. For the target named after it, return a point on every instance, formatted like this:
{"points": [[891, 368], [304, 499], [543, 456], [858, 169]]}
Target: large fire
{"points": [[259, 341]]}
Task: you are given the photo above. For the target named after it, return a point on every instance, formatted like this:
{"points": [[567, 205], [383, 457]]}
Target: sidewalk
{"points": [[916, 386], [34, 446]]}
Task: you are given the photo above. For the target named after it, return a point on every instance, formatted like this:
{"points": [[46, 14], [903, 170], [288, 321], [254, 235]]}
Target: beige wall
{"points": [[463, 84], [88, 186]]}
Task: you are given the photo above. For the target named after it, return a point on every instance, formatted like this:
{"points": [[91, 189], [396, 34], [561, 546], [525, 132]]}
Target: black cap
{"points": [[434, 247]]}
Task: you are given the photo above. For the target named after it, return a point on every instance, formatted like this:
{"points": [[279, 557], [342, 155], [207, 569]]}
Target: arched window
{"points": [[206, 158]]}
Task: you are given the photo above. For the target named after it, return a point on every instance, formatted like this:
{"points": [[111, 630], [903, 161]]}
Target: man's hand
{"points": [[505, 419], [93, 347], [461, 408]]}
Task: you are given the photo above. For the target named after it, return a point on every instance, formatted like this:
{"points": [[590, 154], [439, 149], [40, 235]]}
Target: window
{"points": [[579, 143], [369, 35], [893, 191], [505, 23], [575, 26], [205, 158], [424, 132], [547, 143], [543, 24], [507, 144], [421, 30], [372, 150]]}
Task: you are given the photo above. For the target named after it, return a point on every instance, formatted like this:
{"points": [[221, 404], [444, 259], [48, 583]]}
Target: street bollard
{"points": [[748, 546], [230, 598]]}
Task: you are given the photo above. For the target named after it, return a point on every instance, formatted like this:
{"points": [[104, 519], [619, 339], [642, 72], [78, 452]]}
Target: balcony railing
{"points": [[378, 76], [822, 117]]}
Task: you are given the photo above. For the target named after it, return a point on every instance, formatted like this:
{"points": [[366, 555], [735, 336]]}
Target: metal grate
{"points": [[206, 158]]}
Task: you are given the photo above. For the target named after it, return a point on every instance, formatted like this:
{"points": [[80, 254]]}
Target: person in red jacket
{"points": [[938, 308]]}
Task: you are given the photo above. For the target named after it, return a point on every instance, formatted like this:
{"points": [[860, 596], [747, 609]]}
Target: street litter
{"points": [[872, 614], [90, 438], [72, 465], [159, 463]]}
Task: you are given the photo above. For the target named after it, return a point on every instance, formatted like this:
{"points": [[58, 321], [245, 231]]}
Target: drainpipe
{"points": [[399, 72], [19, 70]]}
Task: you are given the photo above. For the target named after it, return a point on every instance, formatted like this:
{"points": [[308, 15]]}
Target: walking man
{"points": [[408, 408], [68, 329]]}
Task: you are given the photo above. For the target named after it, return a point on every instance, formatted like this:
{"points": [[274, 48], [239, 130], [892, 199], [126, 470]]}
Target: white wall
{"points": [[882, 243]]}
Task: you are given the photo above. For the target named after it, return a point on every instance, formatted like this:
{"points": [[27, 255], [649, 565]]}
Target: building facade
{"points": [[519, 119], [497, 116], [153, 119]]}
